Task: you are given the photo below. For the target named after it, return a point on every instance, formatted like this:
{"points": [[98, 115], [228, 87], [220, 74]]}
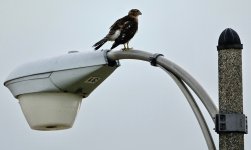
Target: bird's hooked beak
{"points": [[140, 13]]}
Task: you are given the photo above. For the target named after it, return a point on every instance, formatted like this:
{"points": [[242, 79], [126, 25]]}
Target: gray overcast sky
{"points": [[138, 106]]}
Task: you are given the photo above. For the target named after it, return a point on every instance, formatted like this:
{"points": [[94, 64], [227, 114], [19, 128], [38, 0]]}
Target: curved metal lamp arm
{"points": [[174, 69], [179, 75]]}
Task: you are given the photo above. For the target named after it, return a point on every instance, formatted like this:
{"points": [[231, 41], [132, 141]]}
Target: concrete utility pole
{"points": [[231, 123]]}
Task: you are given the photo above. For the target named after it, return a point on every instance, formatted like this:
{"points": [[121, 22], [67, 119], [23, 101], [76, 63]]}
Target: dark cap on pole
{"points": [[229, 39]]}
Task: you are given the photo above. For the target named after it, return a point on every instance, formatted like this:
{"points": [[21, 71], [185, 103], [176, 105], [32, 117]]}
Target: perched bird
{"points": [[122, 31]]}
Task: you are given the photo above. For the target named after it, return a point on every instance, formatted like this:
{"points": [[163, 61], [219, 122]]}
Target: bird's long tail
{"points": [[100, 43]]}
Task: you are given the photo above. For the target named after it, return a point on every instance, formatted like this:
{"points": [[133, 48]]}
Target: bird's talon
{"points": [[127, 49], [123, 49]]}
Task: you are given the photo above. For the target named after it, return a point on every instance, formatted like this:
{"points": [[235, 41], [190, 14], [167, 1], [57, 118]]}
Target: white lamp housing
{"points": [[50, 111], [50, 91]]}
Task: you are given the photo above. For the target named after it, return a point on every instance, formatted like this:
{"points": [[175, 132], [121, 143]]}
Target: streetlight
{"points": [[50, 91]]}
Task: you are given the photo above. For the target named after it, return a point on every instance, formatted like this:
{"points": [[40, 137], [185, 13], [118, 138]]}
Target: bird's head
{"points": [[134, 13]]}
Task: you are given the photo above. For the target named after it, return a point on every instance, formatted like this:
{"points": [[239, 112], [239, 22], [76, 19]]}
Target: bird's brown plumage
{"points": [[122, 31]]}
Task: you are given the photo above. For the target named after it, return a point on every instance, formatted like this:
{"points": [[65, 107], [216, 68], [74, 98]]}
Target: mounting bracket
{"points": [[226, 123]]}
